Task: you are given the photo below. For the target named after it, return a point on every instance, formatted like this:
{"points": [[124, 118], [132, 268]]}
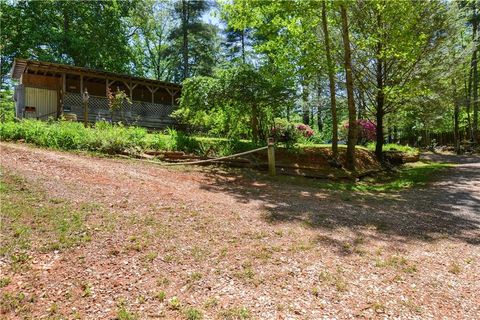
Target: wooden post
{"points": [[271, 157], [63, 90], [85, 98]]}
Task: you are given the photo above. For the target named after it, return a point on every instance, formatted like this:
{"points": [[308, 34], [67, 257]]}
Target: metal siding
{"points": [[44, 100]]}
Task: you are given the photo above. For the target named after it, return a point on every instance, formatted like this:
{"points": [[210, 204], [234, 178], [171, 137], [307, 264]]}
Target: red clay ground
{"points": [[229, 245]]}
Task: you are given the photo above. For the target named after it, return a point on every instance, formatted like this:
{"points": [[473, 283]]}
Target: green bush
{"points": [[394, 147], [114, 138]]}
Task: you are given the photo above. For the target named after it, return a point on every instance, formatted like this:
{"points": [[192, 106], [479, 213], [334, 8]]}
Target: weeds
{"points": [[397, 262], [10, 302], [334, 279], [455, 268], [235, 313], [192, 314], [174, 304], [4, 282], [124, 314], [161, 295], [32, 222], [113, 139]]}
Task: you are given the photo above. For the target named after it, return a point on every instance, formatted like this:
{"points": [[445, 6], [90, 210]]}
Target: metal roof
{"points": [[20, 65]]}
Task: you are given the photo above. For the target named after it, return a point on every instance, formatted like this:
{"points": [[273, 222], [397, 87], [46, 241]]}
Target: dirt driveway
{"points": [[196, 242]]}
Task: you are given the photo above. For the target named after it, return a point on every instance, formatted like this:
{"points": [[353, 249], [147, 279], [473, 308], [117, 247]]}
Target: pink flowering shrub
{"points": [[367, 130], [305, 130], [284, 131]]}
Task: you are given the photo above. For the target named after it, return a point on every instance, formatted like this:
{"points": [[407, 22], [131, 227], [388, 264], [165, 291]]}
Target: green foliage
{"points": [[112, 139], [193, 314], [394, 147], [7, 105], [90, 33], [237, 101]]}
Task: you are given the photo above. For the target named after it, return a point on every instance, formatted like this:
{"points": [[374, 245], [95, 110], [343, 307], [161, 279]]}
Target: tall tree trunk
{"points": [[319, 107], [331, 83], [306, 110], [456, 113], [380, 98], [352, 112], [361, 103], [185, 20], [475, 75], [255, 123]]}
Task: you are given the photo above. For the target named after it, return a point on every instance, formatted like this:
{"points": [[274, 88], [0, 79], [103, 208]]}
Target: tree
{"points": [[331, 81], [352, 113], [391, 40], [241, 95], [195, 40], [88, 34], [151, 24]]}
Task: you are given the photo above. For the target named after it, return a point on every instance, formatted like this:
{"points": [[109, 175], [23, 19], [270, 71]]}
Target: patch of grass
{"points": [[174, 304], [210, 303], [247, 272], [195, 276], [86, 290], [378, 307], [410, 175], [334, 279], [161, 295], [199, 254], [192, 314], [163, 281], [5, 281], [394, 147], [124, 314], [397, 262], [31, 222], [113, 139], [455, 268], [11, 302], [235, 313], [151, 256]]}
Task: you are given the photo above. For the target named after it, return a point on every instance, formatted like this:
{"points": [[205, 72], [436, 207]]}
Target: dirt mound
{"points": [[317, 162]]}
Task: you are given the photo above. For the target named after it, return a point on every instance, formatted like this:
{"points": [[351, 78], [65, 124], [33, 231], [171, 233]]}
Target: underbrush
{"points": [[113, 139], [394, 147]]}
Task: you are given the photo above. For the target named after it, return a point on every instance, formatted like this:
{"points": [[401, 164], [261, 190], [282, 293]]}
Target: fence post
{"points": [[85, 97], [271, 156]]}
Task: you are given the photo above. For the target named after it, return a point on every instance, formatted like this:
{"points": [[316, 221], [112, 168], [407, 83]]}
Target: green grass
{"points": [[411, 175], [235, 313], [113, 139], [394, 146], [32, 222], [327, 145]]}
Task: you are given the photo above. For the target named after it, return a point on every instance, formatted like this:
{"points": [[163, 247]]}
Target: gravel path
{"points": [[237, 242]]}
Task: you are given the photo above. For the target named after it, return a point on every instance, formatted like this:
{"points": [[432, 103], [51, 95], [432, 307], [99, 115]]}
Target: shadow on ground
{"points": [[448, 207]]}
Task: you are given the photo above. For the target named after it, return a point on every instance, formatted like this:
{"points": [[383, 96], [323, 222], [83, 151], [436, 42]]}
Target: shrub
{"points": [[110, 138], [367, 131], [290, 133]]}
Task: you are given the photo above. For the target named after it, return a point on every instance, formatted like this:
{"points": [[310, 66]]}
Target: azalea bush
{"points": [[305, 130], [367, 131], [290, 133]]}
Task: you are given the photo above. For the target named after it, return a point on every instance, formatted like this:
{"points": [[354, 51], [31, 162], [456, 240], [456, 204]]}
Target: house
{"points": [[50, 90]]}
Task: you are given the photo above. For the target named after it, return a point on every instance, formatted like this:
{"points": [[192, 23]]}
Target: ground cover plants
{"points": [[106, 138]]}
